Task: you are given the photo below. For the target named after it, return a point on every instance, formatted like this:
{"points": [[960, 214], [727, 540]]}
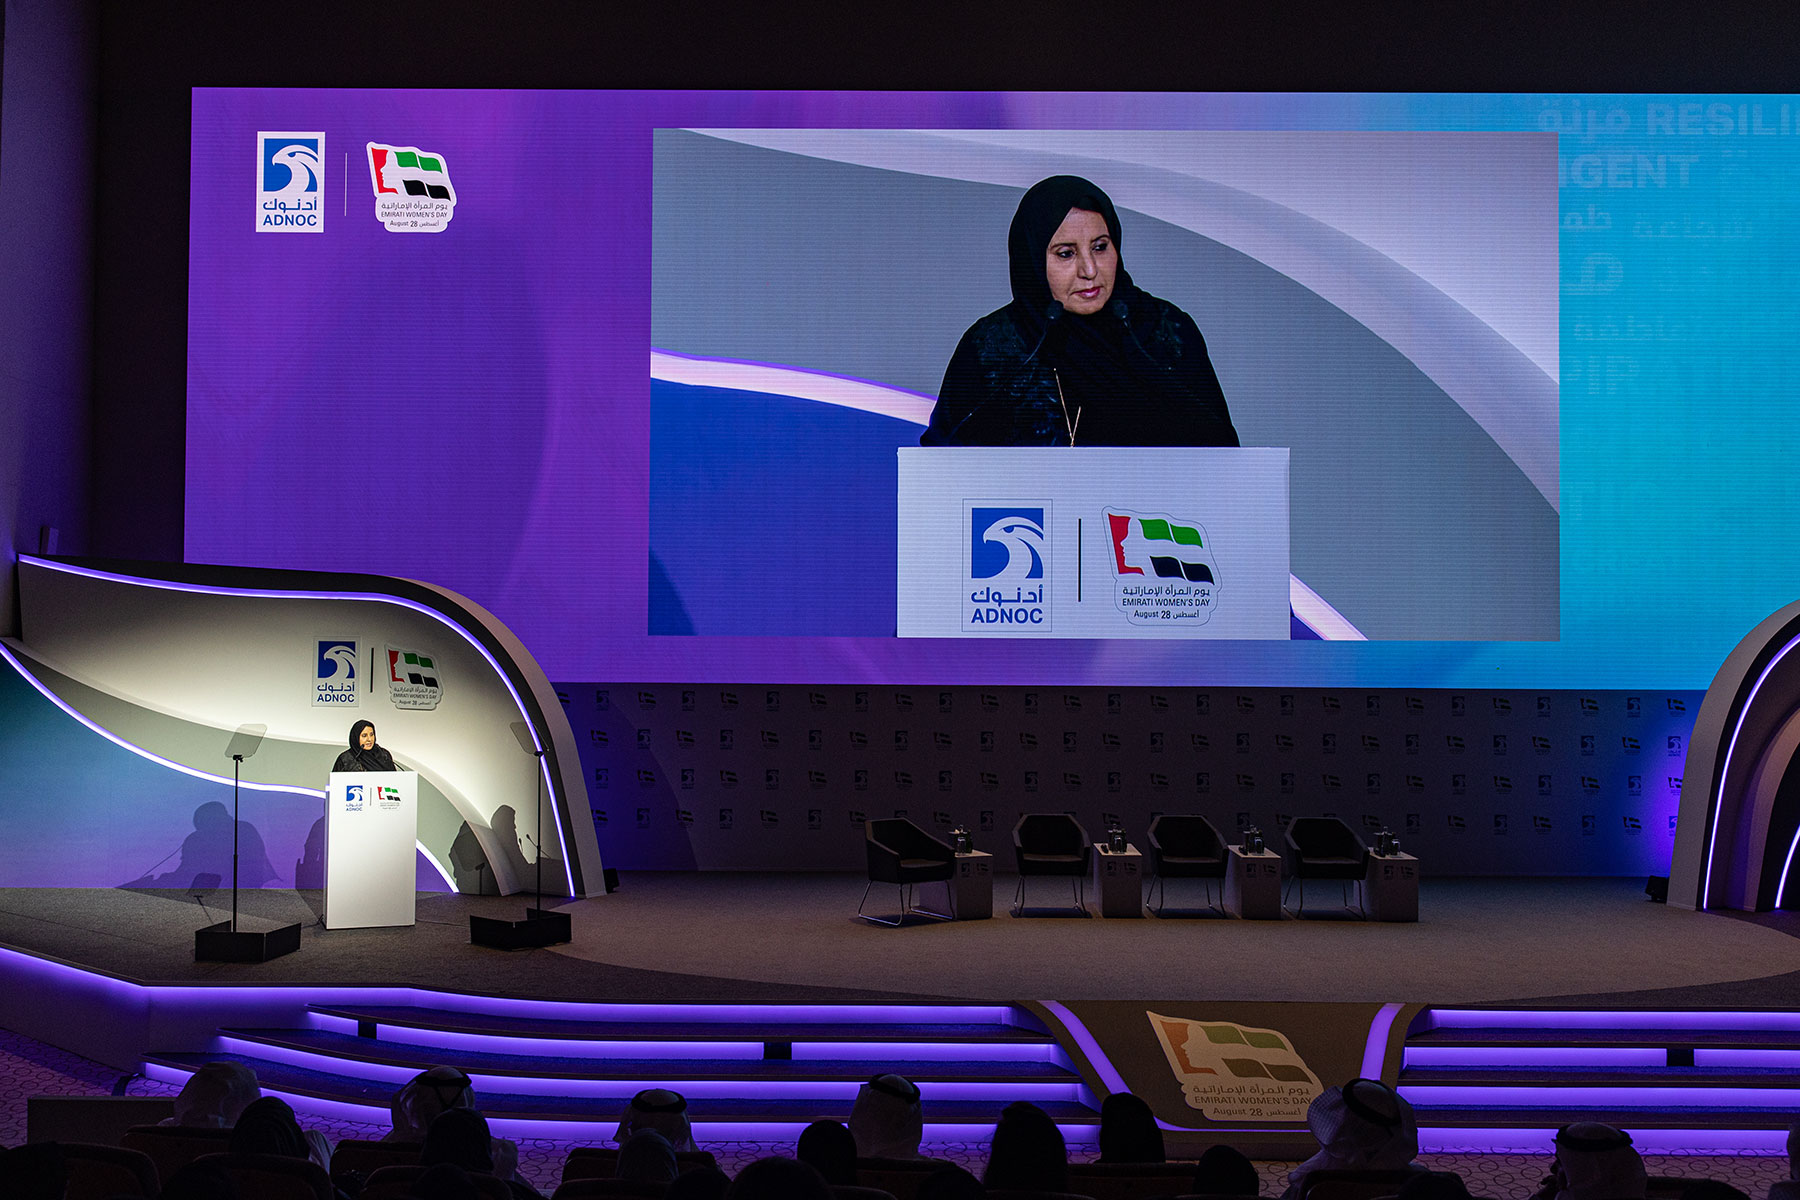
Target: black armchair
{"points": [[902, 853], [1184, 846], [1325, 848], [1051, 844]]}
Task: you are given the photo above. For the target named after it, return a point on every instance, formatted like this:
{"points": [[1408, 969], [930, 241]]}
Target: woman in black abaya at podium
{"points": [[364, 753]]}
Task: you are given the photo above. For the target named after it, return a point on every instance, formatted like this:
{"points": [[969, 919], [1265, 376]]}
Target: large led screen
{"points": [[643, 374]]}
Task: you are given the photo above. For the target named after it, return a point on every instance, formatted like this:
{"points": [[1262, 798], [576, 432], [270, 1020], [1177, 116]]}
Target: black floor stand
{"points": [[541, 926], [225, 942]]}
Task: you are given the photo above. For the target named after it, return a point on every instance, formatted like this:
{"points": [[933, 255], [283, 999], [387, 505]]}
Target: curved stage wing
{"points": [[169, 660]]}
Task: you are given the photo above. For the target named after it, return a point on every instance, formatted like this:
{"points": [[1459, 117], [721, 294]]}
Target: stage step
{"points": [[1714, 1071], [748, 1072]]}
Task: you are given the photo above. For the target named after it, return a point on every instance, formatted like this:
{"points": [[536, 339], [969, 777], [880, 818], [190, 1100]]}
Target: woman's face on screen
{"points": [[366, 739], [1081, 262]]}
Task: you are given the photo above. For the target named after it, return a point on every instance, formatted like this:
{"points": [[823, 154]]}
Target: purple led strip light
{"points": [[797, 1014], [400, 601], [1712, 837], [1601, 1097], [1786, 866], [1537, 1056], [1375, 1045], [1434, 1140], [1479, 1018]]}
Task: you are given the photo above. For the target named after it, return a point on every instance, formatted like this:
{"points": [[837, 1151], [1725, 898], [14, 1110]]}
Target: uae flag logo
{"points": [[412, 679], [1164, 572], [1160, 547], [413, 192], [1235, 1072]]}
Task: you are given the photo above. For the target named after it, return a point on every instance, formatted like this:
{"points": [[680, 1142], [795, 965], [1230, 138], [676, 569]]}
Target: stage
{"points": [[715, 937]]}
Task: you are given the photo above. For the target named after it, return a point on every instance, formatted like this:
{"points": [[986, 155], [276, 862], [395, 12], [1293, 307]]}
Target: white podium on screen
{"points": [[1093, 542], [371, 839]]}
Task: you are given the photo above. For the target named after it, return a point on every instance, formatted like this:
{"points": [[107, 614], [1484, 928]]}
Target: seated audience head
{"points": [[202, 1179], [1128, 1131], [778, 1179], [828, 1148], [215, 1096], [420, 1099], [268, 1126], [1362, 1126], [950, 1182], [1711, 1189], [459, 1137], [887, 1119], [661, 1110], [646, 1157], [1597, 1162], [1028, 1153], [1225, 1171], [35, 1171], [701, 1183]]}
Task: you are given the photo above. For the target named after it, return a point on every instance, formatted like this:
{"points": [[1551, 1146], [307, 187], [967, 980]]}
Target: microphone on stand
{"points": [[1051, 315]]}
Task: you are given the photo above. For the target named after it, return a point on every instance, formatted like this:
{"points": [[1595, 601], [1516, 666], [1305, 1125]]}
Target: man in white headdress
{"points": [[887, 1119], [1362, 1126], [1594, 1162], [215, 1096], [661, 1110]]}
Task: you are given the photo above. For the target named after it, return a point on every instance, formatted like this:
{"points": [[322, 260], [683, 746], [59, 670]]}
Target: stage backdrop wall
{"points": [[756, 777]]}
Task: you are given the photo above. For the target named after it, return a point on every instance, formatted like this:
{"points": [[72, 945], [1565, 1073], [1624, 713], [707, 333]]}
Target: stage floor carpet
{"points": [[709, 937]]}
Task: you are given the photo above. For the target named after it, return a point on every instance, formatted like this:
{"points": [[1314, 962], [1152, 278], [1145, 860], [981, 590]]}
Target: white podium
{"points": [[371, 839], [1092, 542]]}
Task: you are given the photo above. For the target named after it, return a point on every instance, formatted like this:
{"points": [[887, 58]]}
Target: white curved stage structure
{"points": [[169, 660]]}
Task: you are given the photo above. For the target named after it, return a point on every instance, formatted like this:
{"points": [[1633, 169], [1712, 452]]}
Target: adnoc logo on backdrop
{"points": [[334, 673], [290, 182], [1009, 554]]}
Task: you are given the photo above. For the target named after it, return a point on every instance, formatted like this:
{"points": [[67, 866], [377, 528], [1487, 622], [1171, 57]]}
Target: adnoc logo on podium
{"points": [[1008, 580]]}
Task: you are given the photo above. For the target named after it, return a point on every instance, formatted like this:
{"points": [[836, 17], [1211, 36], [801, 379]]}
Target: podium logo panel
{"points": [[1006, 589]]}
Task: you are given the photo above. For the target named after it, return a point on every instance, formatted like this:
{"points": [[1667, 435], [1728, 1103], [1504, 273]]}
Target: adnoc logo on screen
{"points": [[290, 182], [1007, 589]]}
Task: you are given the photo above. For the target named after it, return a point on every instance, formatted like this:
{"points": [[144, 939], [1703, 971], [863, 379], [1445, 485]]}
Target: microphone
{"points": [[1051, 315], [1122, 311]]}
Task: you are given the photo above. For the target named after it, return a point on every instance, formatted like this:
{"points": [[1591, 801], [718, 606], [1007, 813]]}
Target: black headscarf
{"points": [[1101, 360], [375, 758]]}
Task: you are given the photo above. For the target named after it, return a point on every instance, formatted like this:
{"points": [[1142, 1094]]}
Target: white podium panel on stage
{"points": [[371, 835], [1093, 542]]}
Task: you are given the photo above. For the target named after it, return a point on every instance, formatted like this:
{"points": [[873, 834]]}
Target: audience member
{"points": [[646, 1157], [35, 1171], [1226, 1171], [1594, 1162], [887, 1119], [778, 1179], [661, 1110], [828, 1148], [1362, 1126], [460, 1137], [202, 1179], [701, 1183], [215, 1096], [950, 1182], [1027, 1153], [1711, 1189], [268, 1126], [421, 1099], [1128, 1131]]}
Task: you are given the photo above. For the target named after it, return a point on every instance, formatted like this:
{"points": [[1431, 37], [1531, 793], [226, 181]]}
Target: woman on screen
{"points": [[364, 754], [1082, 356]]}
